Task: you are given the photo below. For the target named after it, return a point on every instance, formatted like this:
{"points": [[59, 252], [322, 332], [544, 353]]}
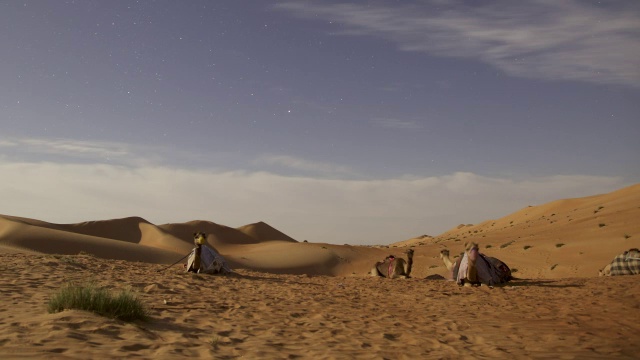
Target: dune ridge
{"points": [[562, 238], [289, 299]]}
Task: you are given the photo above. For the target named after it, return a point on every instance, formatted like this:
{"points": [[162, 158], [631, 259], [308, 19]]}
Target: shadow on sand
{"points": [[541, 283]]}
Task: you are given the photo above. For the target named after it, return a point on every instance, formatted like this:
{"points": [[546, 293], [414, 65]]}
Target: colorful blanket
{"points": [[491, 271], [627, 263], [210, 261]]}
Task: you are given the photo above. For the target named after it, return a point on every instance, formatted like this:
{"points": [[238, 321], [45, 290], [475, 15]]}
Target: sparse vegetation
{"points": [[124, 306], [514, 270], [488, 246], [559, 245], [506, 244], [554, 266], [527, 247], [214, 341], [626, 236], [602, 225], [433, 266]]}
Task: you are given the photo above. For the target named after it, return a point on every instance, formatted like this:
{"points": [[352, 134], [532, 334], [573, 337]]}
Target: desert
{"points": [[292, 299]]}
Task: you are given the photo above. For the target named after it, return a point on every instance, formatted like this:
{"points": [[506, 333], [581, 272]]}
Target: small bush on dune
{"points": [[506, 244], [124, 306]]}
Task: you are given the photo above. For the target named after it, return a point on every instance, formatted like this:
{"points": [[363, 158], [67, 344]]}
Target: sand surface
{"points": [[292, 299], [260, 315]]}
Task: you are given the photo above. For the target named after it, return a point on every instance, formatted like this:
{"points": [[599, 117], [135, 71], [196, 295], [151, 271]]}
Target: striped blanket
{"points": [[627, 263]]}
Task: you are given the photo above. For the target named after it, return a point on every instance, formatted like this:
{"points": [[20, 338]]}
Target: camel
{"points": [[627, 263], [471, 276], [606, 271], [392, 267], [199, 239], [452, 266], [444, 255], [475, 268]]}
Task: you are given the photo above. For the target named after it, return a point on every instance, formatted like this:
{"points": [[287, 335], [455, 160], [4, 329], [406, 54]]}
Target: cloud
{"points": [[304, 165], [68, 147], [543, 39], [320, 210]]}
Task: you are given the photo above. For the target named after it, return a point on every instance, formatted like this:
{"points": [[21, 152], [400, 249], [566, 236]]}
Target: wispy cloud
{"points": [[327, 210], [544, 39], [304, 165], [396, 124], [68, 147]]}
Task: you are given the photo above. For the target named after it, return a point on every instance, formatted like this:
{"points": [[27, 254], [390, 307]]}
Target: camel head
{"points": [[606, 271], [444, 253], [199, 238], [409, 253], [472, 249]]}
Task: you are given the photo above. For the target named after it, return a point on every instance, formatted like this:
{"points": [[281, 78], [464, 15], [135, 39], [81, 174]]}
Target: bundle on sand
{"points": [[627, 263]]}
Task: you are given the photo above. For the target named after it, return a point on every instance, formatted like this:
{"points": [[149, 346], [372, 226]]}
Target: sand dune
{"points": [[564, 238], [292, 299], [264, 232]]}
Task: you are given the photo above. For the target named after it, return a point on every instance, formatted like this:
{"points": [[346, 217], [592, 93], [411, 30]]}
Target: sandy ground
{"points": [[292, 299], [261, 315]]}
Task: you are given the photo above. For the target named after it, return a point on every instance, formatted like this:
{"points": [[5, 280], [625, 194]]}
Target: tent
{"points": [[204, 259], [491, 271]]}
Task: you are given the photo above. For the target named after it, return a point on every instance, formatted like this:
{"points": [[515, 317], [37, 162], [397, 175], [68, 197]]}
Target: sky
{"points": [[363, 122]]}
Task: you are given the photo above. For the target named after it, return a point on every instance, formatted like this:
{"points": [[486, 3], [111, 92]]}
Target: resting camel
{"points": [[470, 277], [606, 271], [199, 239], [444, 255], [392, 267], [627, 263], [476, 268], [452, 266]]}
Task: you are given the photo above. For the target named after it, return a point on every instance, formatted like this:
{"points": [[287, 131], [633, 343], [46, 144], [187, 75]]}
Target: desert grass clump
{"points": [[602, 225], [559, 245], [506, 244], [124, 306], [527, 247]]}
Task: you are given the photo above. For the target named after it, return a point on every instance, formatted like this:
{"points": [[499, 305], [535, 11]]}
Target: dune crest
{"points": [[262, 231], [563, 238]]}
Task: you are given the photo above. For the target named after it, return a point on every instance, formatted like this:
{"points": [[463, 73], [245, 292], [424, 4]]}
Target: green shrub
{"points": [[124, 306]]}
